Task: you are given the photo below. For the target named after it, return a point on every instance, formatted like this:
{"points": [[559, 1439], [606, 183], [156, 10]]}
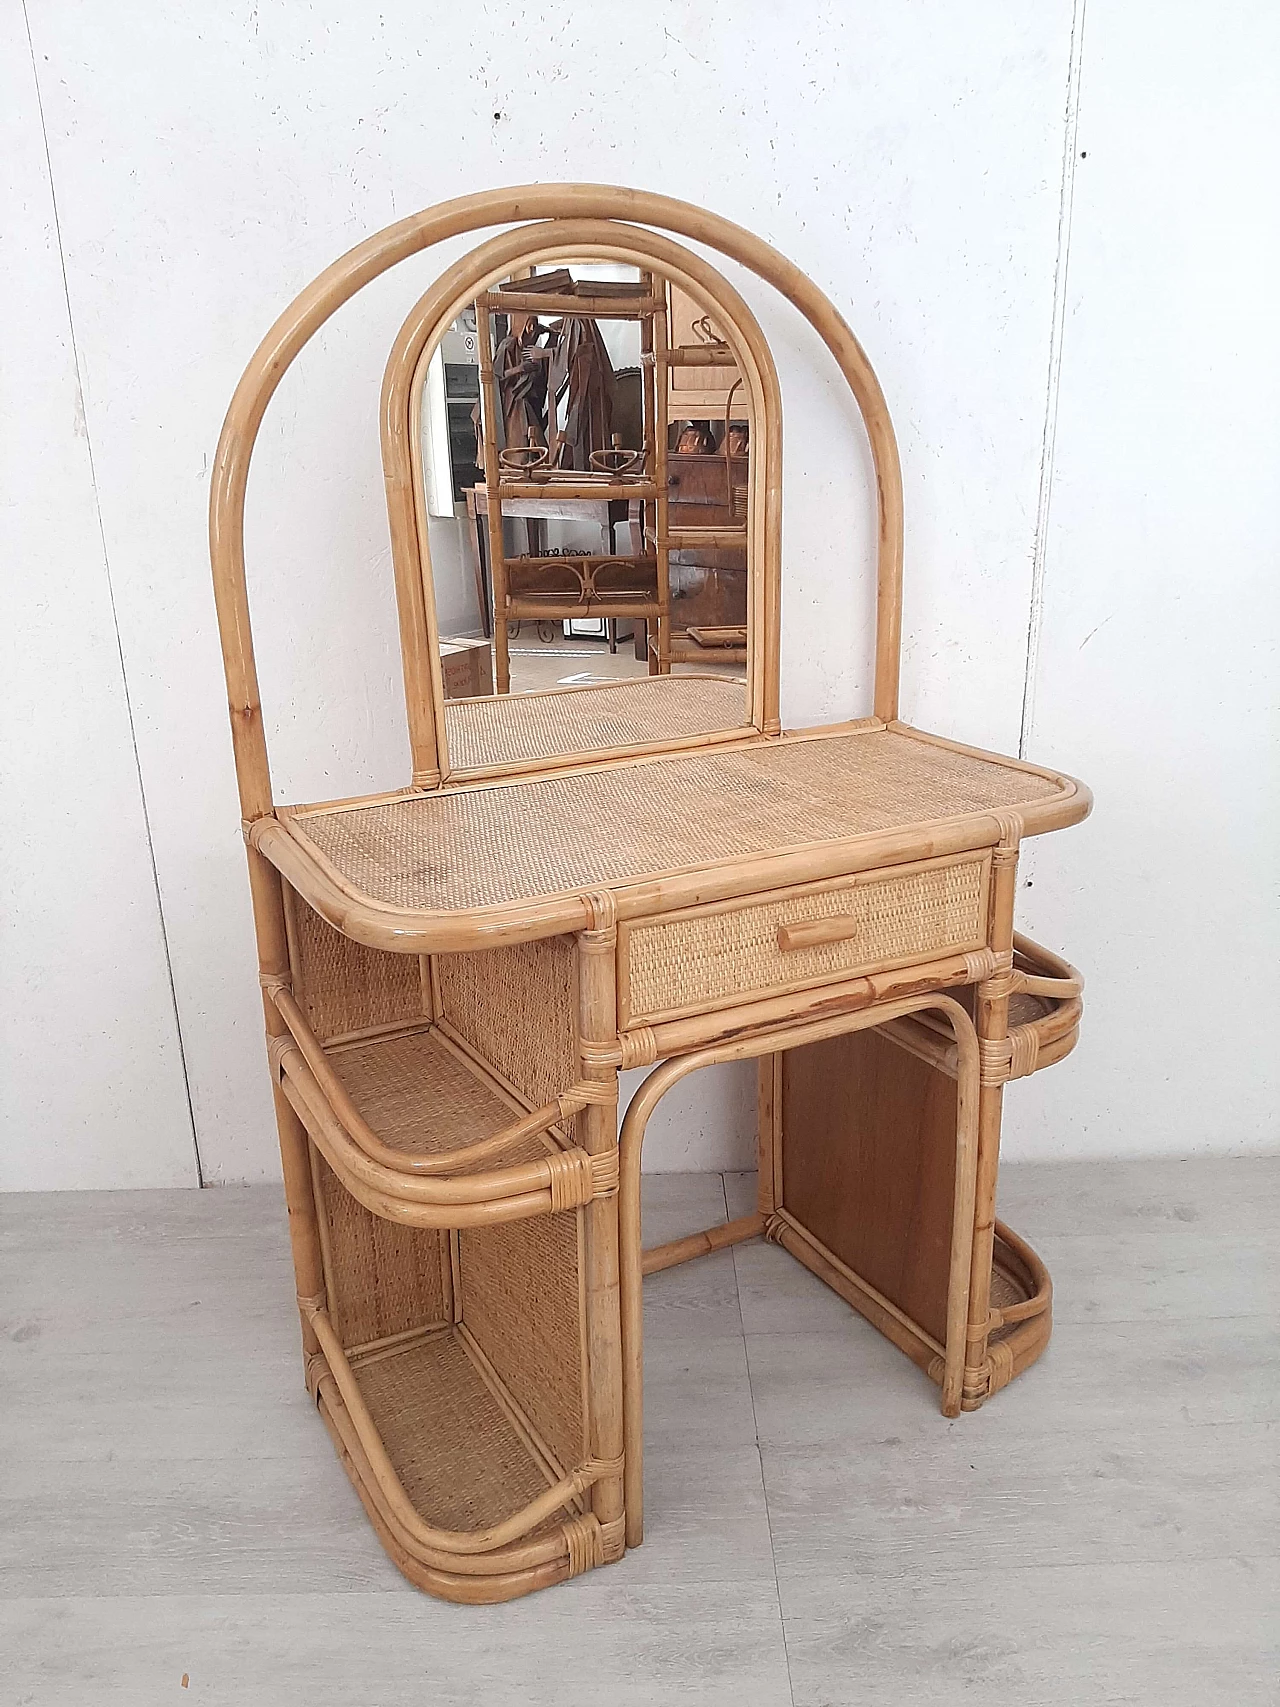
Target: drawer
{"points": [[728, 952]]}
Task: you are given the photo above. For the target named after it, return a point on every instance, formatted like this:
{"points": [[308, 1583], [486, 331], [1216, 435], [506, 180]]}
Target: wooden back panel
{"points": [[869, 1165]]}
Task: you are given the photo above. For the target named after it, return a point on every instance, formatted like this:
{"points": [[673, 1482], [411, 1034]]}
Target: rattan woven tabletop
{"points": [[520, 728], [560, 834]]}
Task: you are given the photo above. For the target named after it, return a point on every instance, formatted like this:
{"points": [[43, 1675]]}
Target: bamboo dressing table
{"points": [[583, 880]]}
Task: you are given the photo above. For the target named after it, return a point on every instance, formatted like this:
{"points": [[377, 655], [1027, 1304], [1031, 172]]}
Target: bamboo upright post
{"points": [[648, 396], [769, 1133], [993, 1035], [598, 1033], [266, 890]]}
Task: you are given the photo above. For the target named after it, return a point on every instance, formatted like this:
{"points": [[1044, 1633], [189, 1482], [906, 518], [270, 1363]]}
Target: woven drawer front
{"points": [[714, 956]]}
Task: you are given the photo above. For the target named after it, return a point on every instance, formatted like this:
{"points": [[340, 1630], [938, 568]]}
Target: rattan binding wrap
{"points": [[521, 728], [473, 848], [682, 964]]}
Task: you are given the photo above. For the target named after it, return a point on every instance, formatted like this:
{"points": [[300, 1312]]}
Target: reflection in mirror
{"points": [[588, 428]]}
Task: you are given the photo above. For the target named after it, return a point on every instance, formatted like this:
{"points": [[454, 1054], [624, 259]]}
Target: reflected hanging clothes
{"points": [[582, 373]]}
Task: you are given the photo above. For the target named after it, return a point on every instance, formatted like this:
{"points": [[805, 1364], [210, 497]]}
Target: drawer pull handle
{"points": [[813, 933]]}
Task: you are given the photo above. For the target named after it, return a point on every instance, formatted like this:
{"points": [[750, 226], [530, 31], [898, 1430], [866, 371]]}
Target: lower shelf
{"points": [[457, 1452], [461, 1465]]}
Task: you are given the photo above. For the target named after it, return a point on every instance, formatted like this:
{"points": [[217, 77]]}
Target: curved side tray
{"points": [[1045, 1009], [437, 1183]]}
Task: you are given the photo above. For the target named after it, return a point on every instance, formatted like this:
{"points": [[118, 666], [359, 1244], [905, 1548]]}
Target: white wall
{"points": [[209, 161], [90, 1064], [1156, 676]]}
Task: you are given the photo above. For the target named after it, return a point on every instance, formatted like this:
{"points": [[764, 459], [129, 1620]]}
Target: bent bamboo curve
{"points": [[339, 282]]}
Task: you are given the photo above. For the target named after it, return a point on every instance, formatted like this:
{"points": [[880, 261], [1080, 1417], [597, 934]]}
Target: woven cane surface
{"points": [[519, 728], [515, 1007], [384, 1278], [344, 986], [419, 1098], [520, 1298], [565, 833], [454, 1449]]}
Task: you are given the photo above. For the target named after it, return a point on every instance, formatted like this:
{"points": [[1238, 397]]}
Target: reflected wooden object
{"points": [[577, 882]]}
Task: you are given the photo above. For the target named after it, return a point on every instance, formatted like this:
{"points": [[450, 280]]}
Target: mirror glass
{"points": [[586, 453]]}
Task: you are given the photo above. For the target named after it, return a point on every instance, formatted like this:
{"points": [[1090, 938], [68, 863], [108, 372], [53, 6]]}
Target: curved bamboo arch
{"points": [[414, 346], [309, 311]]}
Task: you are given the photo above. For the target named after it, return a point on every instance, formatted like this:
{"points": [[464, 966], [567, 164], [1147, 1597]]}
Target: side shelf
{"points": [[450, 1350], [867, 1169]]}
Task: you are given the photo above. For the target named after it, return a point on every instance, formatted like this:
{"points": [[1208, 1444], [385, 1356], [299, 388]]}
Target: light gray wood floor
{"points": [[1104, 1531]]}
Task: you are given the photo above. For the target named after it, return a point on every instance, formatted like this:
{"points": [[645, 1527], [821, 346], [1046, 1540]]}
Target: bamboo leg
{"points": [[960, 1273], [992, 1018], [598, 1024], [295, 1152], [632, 1263], [769, 1134]]}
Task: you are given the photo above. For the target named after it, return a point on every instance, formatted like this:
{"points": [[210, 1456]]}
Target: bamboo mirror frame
{"points": [[573, 217], [420, 336]]}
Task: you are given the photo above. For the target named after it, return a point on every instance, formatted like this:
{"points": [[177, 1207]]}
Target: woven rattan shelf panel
{"points": [[381, 1279], [421, 1097], [710, 956], [523, 728], [482, 847], [456, 1451], [519, 1284]]}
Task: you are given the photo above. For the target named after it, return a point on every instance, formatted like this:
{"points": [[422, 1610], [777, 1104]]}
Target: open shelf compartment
{"points": [[452, 1364]]}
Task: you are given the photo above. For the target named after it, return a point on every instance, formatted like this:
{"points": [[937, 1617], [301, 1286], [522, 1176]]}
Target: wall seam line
{"points": [[1049, 439], [111, 599]]}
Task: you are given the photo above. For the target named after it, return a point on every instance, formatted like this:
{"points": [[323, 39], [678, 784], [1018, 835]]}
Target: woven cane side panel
{"points": [[454, 1448], [515, 1006], [344, 986], [520, 1298], [518, 728], [558, 834], [383, 1278], [715, 956]]}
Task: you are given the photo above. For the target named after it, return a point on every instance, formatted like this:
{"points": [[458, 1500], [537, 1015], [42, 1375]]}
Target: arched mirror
{"points": [[588, 431]]}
